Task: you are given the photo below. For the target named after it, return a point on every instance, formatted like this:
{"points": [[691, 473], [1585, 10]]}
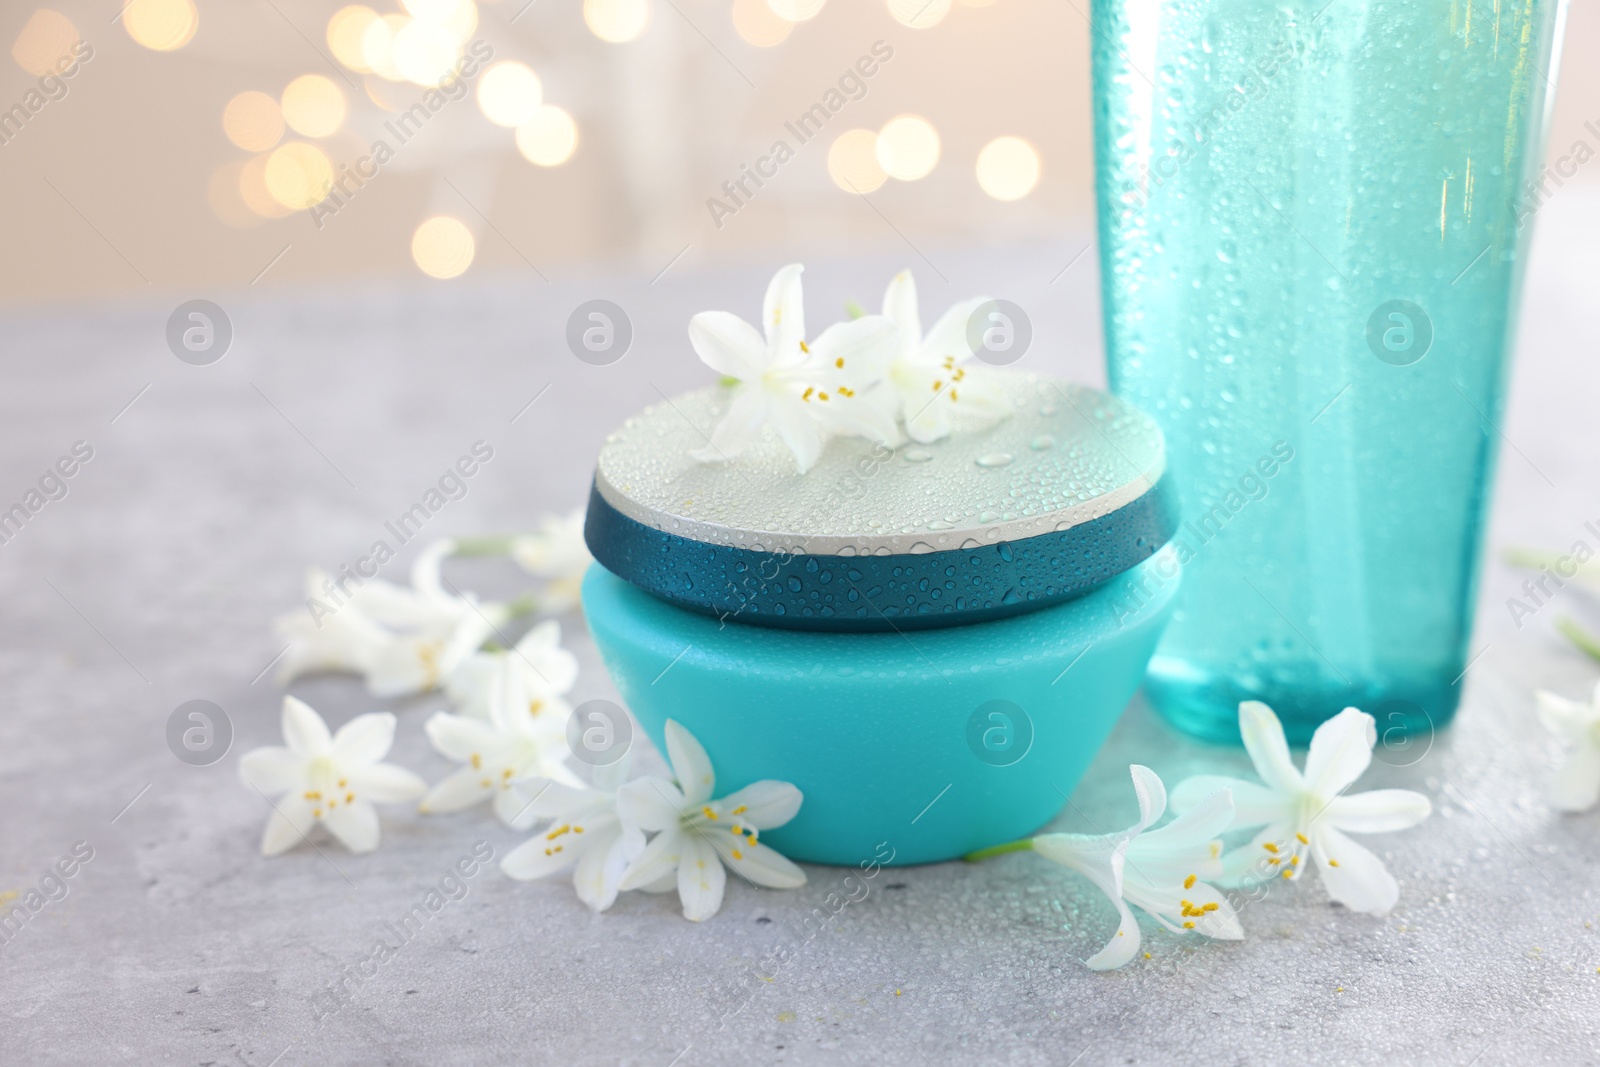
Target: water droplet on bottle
{"points": [[1042, 442], [995, 459]]}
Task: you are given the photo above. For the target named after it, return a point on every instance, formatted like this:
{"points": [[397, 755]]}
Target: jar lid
{"points": [[1067, 492]]}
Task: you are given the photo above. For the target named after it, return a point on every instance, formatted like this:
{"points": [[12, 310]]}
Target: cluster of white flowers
{"points": [[509, 733], [872, 376], [1172, 873]]}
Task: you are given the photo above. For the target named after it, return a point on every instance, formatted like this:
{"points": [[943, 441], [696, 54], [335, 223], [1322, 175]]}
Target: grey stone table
{"points": [[211, 488]]}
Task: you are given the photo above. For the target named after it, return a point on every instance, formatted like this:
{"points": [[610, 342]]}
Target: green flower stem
{"points": [[727, 380], [499, 545], [853, 309], [1586, 642], [1532, 558], [1025, 845], [525, 604]]}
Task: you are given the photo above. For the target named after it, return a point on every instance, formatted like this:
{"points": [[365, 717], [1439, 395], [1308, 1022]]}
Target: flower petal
{"points": [[927, 420], [385, 783], [536, 858], [1253, 864], [549, 799], [948, 337], [856, 354], [701, 879], [1268, 749], [1341, 751], [541, 652], [857, 416], [304, 729], [1253, 803], [355, 825], [739, 427], [599, 871], [458, 792], [900, 308], [1377, 811], [1567, 719], [365, 739], [1124, 944], [764, 805], [690, 764], [1576, 784], [1152, 796], [291, 820], [783, 315], [460, 738], [728, 345], [1355, 877], [273, 769], [759, 863], [651, 804], [800, 428], [1186, 845], [425, 569], [512, 809], [657, 862], [1222, 922]]}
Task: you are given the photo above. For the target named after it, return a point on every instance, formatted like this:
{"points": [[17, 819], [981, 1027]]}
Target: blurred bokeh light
{"points": [[443, 247]]}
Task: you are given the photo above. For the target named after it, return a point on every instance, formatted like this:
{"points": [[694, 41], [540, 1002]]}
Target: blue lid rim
{"points": [[877, 593]]}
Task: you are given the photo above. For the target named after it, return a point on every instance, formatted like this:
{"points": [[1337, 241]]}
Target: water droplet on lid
{"points": [[917, 455], [987, 516], [995, 459], [921, 548], [940, 524], [1042, 442]]}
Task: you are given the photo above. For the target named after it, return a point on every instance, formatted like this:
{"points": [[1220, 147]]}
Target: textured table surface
{"points": [[153, 582]]}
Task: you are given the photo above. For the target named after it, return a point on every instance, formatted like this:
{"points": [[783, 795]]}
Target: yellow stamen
{"points": [[708, 812], [1270, 847], [1189, 925], [804, 349], [1333, 863], [1188, 883], [839, 363], [1302, 839]]}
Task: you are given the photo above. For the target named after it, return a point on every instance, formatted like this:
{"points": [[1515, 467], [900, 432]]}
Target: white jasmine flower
{"points": [[533, 675], [437, 630], [1576, 785], [1158, 871], [402, 639], [698, 835], [333, 780], [519, 738], [805, 391], [557, 553], [343, 639], [1307, 814], [585, 833], [926, 383]]}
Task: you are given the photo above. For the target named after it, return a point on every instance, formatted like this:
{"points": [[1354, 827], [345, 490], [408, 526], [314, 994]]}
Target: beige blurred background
{"points": [[192, 146]]}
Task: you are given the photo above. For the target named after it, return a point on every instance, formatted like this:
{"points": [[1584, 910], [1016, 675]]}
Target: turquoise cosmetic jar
{"points": [[931, 641]]}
